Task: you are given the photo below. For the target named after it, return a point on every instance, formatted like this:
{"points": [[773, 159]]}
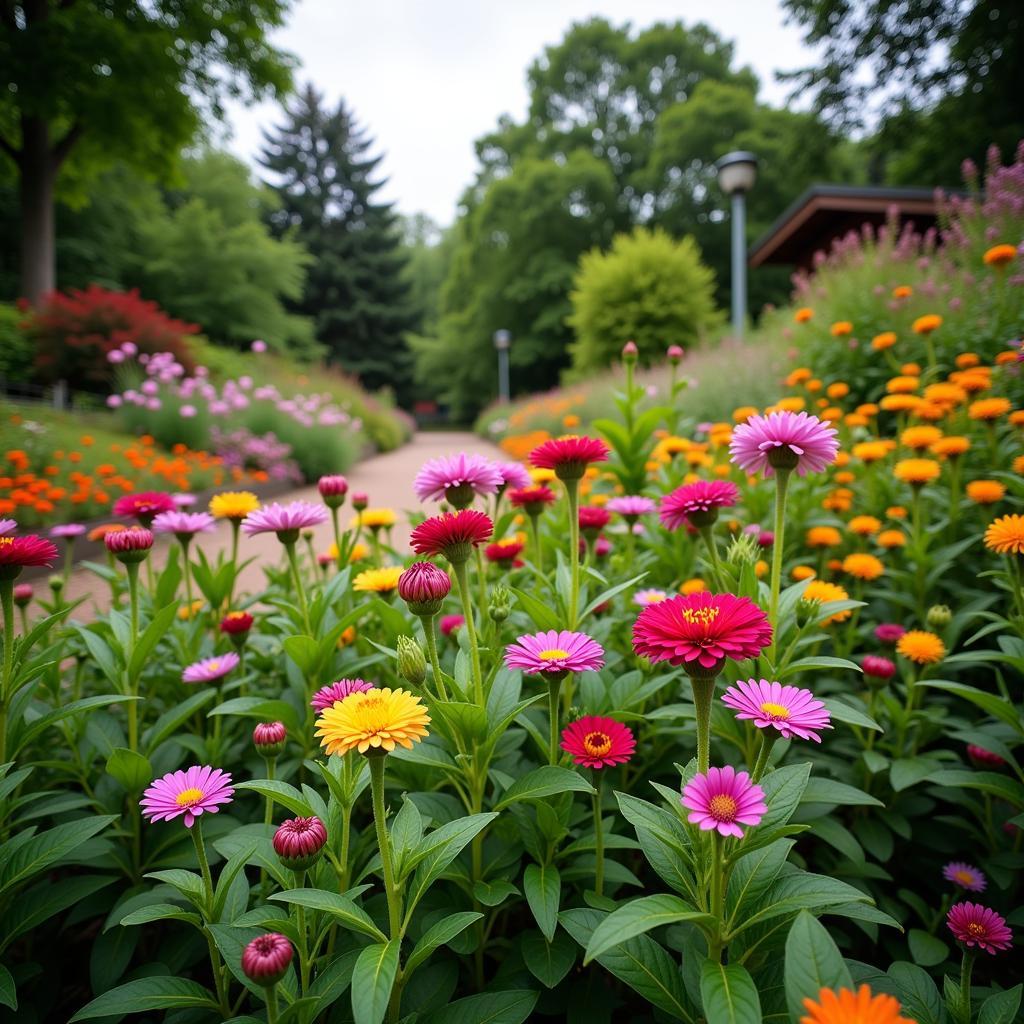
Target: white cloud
{"points": [[428, 77]]}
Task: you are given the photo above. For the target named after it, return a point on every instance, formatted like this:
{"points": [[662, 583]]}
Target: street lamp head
{"points": [[737, 172], [502, 340]]}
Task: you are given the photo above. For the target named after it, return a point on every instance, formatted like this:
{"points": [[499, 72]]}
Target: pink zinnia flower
{"points": [[299, 842], [701, 630], [458, 478], [328, 696], [195, 791], [284, 519], [504, 552], [183, 500], [982, 758], [267, 958], [209, 670], [450, 623], [7, 526], [877, 667], [513, 474], [724, 799], [602, 547], [593, 519], [184, 524], [144, 506], [631, 506], [967, 876], [569, 456], [889, 632], [555, 652], [129, 545], [533, 499], [335, 486], [789, 709], [269, 738], [596, 742], [23, 594], [30, 551], [423, 587], [650, 596], [975, 925], [783, 440], [453, 534], [697, 503], [67, 531]]}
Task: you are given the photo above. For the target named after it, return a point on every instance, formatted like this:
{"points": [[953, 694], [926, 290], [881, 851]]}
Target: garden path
{"points": [[386, 478]]}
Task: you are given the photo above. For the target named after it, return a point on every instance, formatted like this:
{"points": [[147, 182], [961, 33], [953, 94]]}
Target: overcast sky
{"points": [[427, 77]]}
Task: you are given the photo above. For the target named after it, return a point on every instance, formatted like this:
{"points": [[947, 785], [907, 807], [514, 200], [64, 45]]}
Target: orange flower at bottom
{"points": [[846, 1007]]}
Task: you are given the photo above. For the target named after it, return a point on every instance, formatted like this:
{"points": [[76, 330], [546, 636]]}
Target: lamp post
{"points": [[737, 173], [502, 342]]}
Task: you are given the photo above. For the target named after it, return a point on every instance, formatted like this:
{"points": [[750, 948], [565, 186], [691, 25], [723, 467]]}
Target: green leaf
{"points": [[783, 790], [372, 980], [343, 909], [282, 793], [144, 994], [258, 707], [926, 949], [493, 894], [641, 916], [820, 790], [988, 782], [150, 637], [158, 912], [543, 887], [548, 962], [543, 617], [73, 709], [442, 932], [46, 849], [817, 663], [914, 988], [542, 782], [728, 994], [607, 595], [1000, 1008], [996, 706], [8, 992], [131, 769], [813, 962], [843, 712], [458, 832], [510, 1007], [167, 724], [303, 650], [909, 771], [47, 898], [102, 654], [751, 876]]}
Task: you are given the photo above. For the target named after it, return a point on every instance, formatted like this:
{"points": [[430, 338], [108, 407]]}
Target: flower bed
{"points": [[673, 721]]}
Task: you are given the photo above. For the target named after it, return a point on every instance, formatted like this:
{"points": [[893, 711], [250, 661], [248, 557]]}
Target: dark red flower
{"points": [[452, 534], [569, 456], [17, 553]]}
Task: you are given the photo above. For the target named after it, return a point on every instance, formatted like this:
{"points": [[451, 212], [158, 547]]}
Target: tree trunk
{"points": [[38, 176]]}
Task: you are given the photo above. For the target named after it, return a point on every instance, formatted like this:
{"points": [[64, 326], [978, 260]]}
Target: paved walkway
{"points": [[386, 479]]}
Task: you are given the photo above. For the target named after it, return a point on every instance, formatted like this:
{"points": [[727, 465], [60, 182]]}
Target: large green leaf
{"points": [[145, 994], [340, 907], [372, 980], [813, 962], [130, 768], [543, 617], [543, 782], [729, 994], [47, 848], [167, 724], [510, 1007], [70, 710], [281, 792], [641, 916], [45, 899], [548, 962], [751, 876], [1002, 1007], [8, 992], [150, 637], [543, 887], [442, 932]]}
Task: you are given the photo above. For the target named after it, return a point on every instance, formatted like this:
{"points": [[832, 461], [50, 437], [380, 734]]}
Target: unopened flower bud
{"points": [[270, 738], [743, 550], [299, 843], [266, 959], [412, 666], [939, 616], [359, 500], [129, 546], [630, 352], [675, 354], [56, 583], [500, 606], [23, 595], [333, 490], [235, 626], [423, 587], [877, 668], [808, 610]]}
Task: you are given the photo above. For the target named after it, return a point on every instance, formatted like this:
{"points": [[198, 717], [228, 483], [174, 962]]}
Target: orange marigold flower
{"points": [[901, 403], [902, 291], [1000, 255], [917, 471], [921, 647], [823, 537], [570, 421], [864, 526], [798, 376], [823, 592], [814, 386], [867, 409], [841, 459], [966, 360], [977, 379], [743, 413], [988, 409], [1005, 535], [919, 438], [692, 586], [760, 568], [803, 314], [855, 419], [863, 567], [927, 323], [1018, 464], [845, 477], [986, 492], [944, 393], [840, 389], [1005, 358], [802, 572], [891, 539], [841, 328], [872, 451], [1016, 417], [902, 385], [882, 341], [847, 1007], [951, 447]]}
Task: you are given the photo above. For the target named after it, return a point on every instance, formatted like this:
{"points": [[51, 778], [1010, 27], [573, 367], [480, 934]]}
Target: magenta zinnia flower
{"points": [[593, 519], [284, 519], [453, 534], [790, 709], [533, 498], [569, 456], [631, 506], [783, 440], [267, 958], [299, 842], [697, 503], [975, 925], [724, 799], [209, 670], [328, 696], [889, 632], [17, 553], [877, 667], [269, 738], [701, 630], [195, 791], [450, 623], [184, 524], [129, 545], [458, 478], [597, 742], [555, 652], [423, 587], [67, 531], [513, 474], [144, 506], [982, 758], [967, 876]]}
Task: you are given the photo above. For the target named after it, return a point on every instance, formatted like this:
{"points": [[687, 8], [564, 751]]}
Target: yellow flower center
{"points": [[4, 541], [189, 797], [597, 744], [700, 616], [554, 654], [775, 711], [723, 807], [214, 666], [976, 929], [964, 877]]}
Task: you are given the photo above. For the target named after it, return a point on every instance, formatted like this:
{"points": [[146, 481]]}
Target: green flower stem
{"points": [[272, 1005], [462, 583], [300, 914], [7, 600], [380, 823], [572, 491], [768, 738], [703, 696], [481, 574], [293, 562], [538, 551], [132, 570], [427, 621], [717, 904], [186, 568], [966, 966], [554, 685], [337, 538], [598, 776], [781, 485], [196, 832], [707, 534]]}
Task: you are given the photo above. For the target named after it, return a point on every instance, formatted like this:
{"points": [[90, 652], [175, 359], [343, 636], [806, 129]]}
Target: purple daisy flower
{"points": [[209, 670], [67, 531], [277, 518], [183, 500], [514, 474], [457, 478], [790, 709], [328, 696], [555, 652], [967, 876], [783, 440], [697, 503], [7, 526], [630, 506], [184, 524], [197, 790]]}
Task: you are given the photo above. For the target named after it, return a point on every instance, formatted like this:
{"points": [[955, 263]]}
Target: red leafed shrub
{"points": [[75, 332]]}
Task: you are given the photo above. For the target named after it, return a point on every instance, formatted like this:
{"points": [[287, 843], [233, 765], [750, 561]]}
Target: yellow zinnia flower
{"points": [[377, 720], [374, 518], [1005, 535], [378, 581], [921, 647], [233, 504]]}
